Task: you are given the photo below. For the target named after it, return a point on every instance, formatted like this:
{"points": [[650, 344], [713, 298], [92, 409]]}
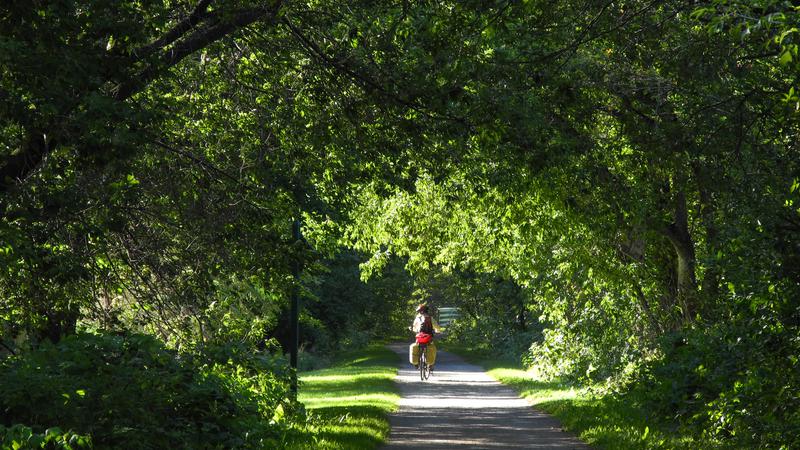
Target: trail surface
{"points": [[461, 407]]}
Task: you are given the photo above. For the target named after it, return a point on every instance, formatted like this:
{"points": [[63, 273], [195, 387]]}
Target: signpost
{"points": [[447, 315], [294, 313]]}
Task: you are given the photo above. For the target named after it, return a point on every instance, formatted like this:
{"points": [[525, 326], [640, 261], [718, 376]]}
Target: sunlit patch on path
{"points": [[462, 407]]}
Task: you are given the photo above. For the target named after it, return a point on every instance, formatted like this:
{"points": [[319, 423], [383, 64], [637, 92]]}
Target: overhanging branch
{"points": [[212, 27], [199, 13]]}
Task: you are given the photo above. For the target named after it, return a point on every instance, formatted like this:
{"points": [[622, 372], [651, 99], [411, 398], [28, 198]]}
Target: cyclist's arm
{"points": [[436, 326]]}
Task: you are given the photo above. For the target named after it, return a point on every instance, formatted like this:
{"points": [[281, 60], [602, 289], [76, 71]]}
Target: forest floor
{"points": [[463, 407]]}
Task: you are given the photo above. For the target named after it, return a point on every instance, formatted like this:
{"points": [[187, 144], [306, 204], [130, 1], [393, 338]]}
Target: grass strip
{"points": [[603, 421], [349, 402]]}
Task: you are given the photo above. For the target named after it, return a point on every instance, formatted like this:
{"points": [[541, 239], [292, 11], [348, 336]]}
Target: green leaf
{"points": [[53, 431], [700, 12], [786, 57], [36, 441], [786, 33]]}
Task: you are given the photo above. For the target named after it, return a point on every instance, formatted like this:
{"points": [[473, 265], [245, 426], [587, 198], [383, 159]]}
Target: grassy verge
{"points": [[603, 421], [349, 402]]}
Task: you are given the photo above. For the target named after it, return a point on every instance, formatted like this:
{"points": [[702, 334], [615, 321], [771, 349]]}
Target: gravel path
{"points": [[462, 407]]}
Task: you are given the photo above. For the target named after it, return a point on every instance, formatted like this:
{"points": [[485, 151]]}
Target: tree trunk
{"points": [[710, 287], [678, 234], [19, 165], [59, 324]]}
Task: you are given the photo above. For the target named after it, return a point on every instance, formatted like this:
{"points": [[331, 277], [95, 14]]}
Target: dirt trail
{"points": [[462, 407]]}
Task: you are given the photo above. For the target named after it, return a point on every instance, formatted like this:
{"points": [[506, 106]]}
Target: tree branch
{"points": [[199, 13], [10, 350], [366, 82], [17, 167], [201, 38]]}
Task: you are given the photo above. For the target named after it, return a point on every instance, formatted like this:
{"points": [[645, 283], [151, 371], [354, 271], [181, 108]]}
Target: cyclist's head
{"points": [[422, 308]]}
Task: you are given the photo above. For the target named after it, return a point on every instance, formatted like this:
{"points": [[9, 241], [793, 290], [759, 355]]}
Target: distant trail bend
{"points": [[461, 407]]}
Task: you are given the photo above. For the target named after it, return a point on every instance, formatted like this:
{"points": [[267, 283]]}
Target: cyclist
{"points": [[425, 326]]}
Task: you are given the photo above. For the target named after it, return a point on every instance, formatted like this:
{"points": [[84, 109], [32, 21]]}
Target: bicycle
{"points": [[424, 369]]}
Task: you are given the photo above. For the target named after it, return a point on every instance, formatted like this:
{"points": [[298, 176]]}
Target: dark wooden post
{"points": [[294, 314]]}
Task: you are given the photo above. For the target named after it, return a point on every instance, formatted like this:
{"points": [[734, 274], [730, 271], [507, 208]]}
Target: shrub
{"points": [[129, 391], [20, 436], [730, 383]]}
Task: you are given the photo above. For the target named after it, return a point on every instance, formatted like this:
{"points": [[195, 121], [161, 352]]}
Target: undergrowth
{"points": [[603, 420]]}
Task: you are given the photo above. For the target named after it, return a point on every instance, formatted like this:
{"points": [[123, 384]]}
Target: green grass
{"points": [[350, 401], [603, 421]]}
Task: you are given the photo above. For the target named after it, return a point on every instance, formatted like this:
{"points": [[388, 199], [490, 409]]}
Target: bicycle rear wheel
{"points": [[423, 363]]}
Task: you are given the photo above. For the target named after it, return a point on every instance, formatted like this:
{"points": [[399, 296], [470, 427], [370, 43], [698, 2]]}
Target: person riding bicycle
{"points": [[425, 326]]}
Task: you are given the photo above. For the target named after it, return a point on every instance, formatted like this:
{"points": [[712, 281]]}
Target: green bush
{"points": [[491, 334], [22, 437], [129, 391], [737, 384]]}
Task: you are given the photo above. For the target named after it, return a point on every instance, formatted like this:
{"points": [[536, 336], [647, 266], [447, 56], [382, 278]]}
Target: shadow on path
{"points": [[462, 407]]}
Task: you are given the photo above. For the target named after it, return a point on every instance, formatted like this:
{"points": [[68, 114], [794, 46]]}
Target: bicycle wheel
{"points": [[423, 362]]}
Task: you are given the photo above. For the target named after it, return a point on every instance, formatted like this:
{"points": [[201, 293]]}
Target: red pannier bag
{"points": [[424, 338]]}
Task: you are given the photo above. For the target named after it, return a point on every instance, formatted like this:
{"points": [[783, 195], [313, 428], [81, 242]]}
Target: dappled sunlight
{"points": [[461, 406], [350, 378], [533, 389], [358, 361], [386, 400], [348, 404], [601, 421]]}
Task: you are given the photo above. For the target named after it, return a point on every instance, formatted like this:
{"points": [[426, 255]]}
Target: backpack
{"points": [[427, 325], [425, 335]]}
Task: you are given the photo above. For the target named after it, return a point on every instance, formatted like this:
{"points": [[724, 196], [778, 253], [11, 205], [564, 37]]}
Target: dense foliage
{"points": [[20, 436], [636, 177], [128, 391], [609, 190]]}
